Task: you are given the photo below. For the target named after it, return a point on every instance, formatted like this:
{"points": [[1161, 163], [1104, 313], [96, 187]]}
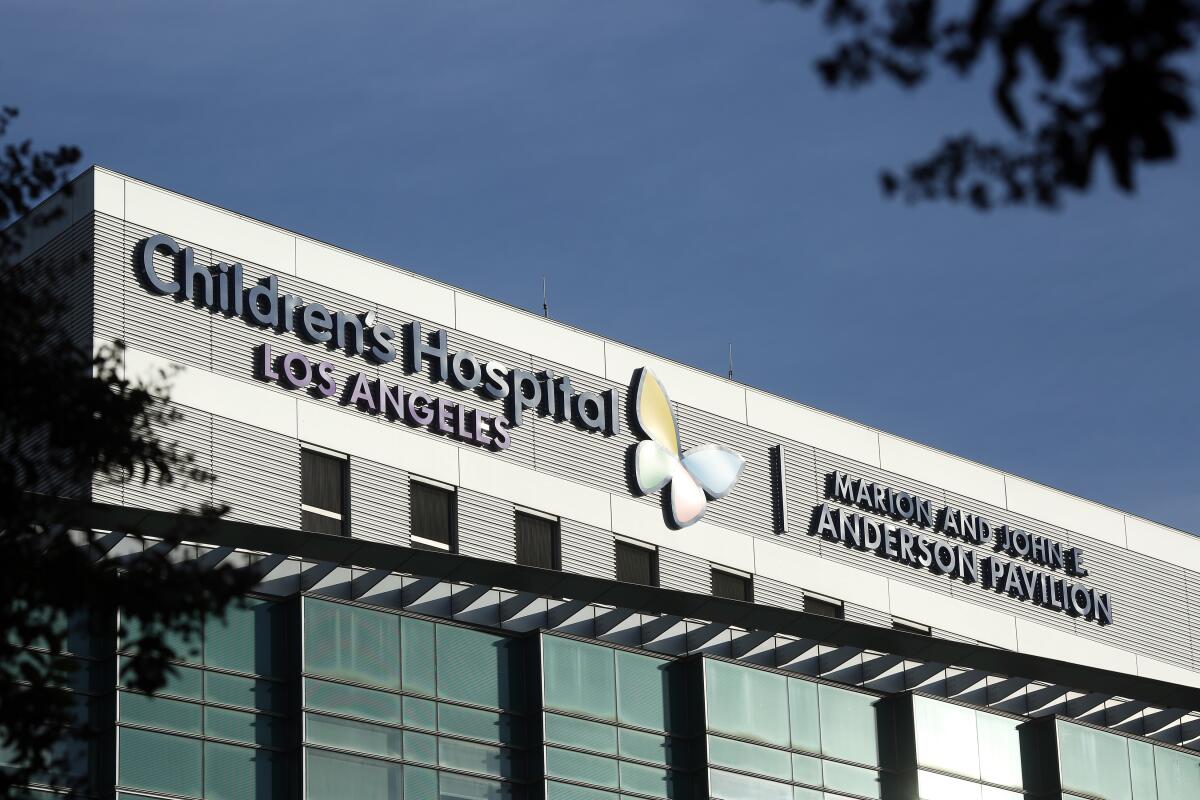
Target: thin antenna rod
{"points": [[731, 361], [545, 304]]}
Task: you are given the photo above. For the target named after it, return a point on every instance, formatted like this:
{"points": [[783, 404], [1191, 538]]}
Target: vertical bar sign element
{"points": [[779, 488]]}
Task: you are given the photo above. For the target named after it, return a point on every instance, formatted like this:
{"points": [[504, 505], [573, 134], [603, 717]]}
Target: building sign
{"points": [[946, 541], [687, 480], [222, 290], [1044, 579]]}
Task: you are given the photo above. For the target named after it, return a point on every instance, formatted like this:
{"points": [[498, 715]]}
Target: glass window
{"points": [[932, 786], [234, 690], [636, 564], [596, 770], [728, 786], [417, 655], [477, 667], [647, 780], [537, 541], [847, 778], [750, 758], [946, 737], [352, 700], [999, 750], [335, 776], [239, 773], [734, 587], [564, 791], [581, 733], [823, 608], [1143, 781], [474, 757], [242, 726], [420, 713], [848, 728], [650, 747], [351, 643], [433, 516], [579, 677], [1178, 773], [346, 734], [323, 484], [248, 639], [746, 702], [1093, 762], [159, 712], [158, 762], [644, 692], [476, 723], [805, 718]]}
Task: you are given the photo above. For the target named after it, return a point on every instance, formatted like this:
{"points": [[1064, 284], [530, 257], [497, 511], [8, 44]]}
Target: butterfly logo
{"points": [[707, 471]]}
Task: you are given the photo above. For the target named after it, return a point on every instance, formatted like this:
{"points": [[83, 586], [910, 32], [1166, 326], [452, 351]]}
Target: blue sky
{"points": [[680, 160]]}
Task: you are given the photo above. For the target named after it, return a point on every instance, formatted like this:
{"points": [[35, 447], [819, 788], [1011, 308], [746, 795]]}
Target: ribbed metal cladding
{"points": [[871, 616], [379, 502], [257, 473], [192, 431], [684, 571], [587, 550], [59, 268], [486, 527], [1165, 626], [771, 592]]}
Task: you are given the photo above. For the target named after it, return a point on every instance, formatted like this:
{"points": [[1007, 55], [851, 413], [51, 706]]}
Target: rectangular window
{"points": [[323, 485], [909, 626], [636, 564], [823, 608], [537, 541], [433, 516], [732, 585]]}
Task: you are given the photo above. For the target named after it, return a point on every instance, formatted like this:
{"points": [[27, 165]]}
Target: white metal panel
{"points": [[1060, 508], [810, 426], [531, 333], [185, 218], [216, 394], [941, 469], [821, 576], [374, 282]]}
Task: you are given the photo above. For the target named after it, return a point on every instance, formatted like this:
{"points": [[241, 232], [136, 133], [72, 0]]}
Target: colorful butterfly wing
{"points": [[714, 467], [652, 466], [687, 498], [653, 413]]}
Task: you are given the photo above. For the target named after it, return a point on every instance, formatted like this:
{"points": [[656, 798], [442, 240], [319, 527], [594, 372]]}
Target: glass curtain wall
{"points": [[76, 760], [218, 728], [612, 723], [774, 737], [1096, 764], [964, 753], [396, 706]]}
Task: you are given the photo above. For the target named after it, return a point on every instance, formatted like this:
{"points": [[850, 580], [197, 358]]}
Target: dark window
{"points": [[636, 564], [432, 517], [823, 608], [322, 493], [537, 541], [735, 587], [910, 627]]}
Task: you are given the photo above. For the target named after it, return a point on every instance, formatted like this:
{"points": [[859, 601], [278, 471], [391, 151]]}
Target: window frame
{"points": [[649, 549], [422, 543], [343, 518], [838, 607], [555, 536], [746, 577]]}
